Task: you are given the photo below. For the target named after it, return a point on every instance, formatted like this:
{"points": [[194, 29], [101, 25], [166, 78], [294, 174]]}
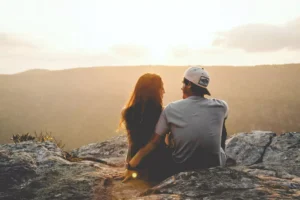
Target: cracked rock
{"points": [[248, 148]]}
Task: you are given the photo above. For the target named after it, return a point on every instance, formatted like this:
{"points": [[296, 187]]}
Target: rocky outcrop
{"points": [[268, 167], [32, 170], [112, 151]]}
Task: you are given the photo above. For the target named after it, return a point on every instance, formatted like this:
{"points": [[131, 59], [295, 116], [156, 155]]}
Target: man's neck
{"points": [[187, 96], [193, 95]]}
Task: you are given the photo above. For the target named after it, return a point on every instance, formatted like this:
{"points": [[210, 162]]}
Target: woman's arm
{"points": [[129, 156]]}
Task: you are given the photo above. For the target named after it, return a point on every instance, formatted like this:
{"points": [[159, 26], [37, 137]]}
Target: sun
{"points": [[158, 55]]}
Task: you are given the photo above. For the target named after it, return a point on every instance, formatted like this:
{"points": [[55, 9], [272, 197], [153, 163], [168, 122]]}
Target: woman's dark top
{"points": [[141, 127]]}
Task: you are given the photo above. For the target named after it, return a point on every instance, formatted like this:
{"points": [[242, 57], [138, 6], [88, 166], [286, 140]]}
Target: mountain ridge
{"points": [[82, 105]]}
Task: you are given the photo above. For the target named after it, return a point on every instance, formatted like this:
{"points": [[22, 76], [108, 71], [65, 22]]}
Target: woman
{"points": [[139, 117]]}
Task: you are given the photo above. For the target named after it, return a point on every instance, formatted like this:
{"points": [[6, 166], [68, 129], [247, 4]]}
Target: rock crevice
{"points": [[264, 150]]}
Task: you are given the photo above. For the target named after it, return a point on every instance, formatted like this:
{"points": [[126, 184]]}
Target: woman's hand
{"points": [[129, 174]]}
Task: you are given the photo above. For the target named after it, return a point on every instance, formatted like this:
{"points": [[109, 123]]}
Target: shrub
{"points": [[42, 137], [23, 137]]}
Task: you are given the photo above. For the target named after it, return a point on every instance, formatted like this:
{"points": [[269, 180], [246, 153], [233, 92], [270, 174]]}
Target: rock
{"points": [[267, 167], [220, 183], [112, 151], [248, 149], [283, 154], [31, 170]]}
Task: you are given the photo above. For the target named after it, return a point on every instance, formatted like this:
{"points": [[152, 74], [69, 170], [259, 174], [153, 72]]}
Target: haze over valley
{"points": [[81, 106]]}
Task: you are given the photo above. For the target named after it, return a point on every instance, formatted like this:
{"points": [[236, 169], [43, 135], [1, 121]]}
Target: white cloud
{"points": [[261, 37], [12, 41], [18, 53]]}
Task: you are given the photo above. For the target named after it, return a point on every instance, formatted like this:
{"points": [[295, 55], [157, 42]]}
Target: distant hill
{"points": [[82, 105], [35, 72]]}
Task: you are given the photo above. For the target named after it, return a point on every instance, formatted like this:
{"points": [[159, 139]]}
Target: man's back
{"points": [[195, 123]]}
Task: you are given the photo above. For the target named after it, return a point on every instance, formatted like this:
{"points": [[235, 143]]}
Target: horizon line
{"points": [[151, 65]]}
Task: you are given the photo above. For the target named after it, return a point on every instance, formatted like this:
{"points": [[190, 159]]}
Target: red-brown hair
{"points": [[147, 90]]}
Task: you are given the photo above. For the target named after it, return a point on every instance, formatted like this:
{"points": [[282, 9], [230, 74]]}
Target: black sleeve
{"points": [[129, 156], [224, 136]]}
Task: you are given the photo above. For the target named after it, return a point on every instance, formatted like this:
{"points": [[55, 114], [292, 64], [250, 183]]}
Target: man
{"points": [[196, 124]]}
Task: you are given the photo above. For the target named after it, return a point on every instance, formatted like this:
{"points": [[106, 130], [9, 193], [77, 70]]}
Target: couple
{"points": [[193, 128]]}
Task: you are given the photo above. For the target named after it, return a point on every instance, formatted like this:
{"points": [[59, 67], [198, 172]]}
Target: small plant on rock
{"points": [[23, 137], [42, 137]]}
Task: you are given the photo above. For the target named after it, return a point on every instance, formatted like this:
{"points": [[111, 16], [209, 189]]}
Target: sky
{"points": [[61, 34]]}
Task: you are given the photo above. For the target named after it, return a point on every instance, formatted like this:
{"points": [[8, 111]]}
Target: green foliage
{"points": [[42, 137]]}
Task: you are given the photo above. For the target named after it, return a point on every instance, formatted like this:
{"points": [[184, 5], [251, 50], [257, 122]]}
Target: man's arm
{"points": [[145, 150], [224, 136], [224, 131]]}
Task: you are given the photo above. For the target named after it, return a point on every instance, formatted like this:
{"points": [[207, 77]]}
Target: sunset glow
{"points": [[61, 34]]}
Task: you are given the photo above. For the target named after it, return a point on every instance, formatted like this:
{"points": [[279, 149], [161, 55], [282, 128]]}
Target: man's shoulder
{"points": [[218, 102], [176, 104]]}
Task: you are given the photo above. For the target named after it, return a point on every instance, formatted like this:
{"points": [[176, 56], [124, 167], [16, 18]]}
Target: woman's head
{"points": [[149, 88]]}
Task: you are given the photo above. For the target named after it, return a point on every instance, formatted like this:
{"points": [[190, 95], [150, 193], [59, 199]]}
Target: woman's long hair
{"points": [[147, 92]]}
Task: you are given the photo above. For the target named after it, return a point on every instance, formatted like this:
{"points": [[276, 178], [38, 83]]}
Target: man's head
{"points": [[195, 82]]}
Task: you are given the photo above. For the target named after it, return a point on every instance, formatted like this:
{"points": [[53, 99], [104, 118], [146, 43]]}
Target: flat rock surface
{"points": [[268, 167]]}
